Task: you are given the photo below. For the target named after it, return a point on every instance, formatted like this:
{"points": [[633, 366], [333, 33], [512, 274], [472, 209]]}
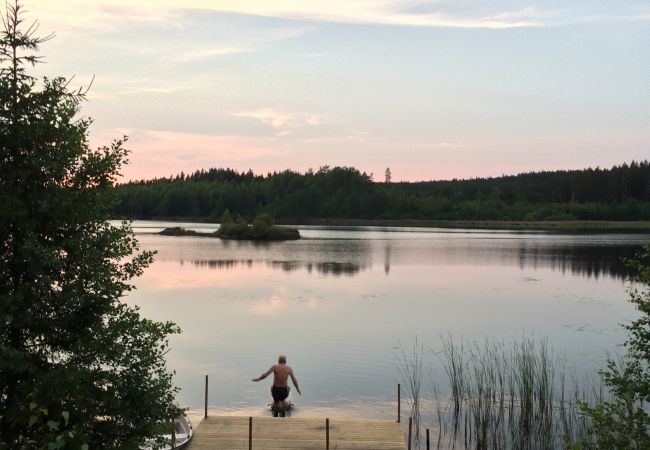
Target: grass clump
{"points": [[498, 397]]}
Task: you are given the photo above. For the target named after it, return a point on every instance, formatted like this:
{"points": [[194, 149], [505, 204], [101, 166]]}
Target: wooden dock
{"points": [[269, 433]]}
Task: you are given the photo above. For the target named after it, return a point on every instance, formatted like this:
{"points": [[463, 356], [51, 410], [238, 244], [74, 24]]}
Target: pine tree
{"points": [[387, 175], [78, 367]]}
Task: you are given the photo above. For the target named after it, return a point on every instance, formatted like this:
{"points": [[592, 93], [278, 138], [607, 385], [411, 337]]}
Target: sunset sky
{"points": [[431, 89]]}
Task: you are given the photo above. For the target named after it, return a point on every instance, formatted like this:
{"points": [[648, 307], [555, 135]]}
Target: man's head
{"points": [[282, 359]]}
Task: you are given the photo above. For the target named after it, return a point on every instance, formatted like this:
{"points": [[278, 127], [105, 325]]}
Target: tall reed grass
{"points": [[497, 396], [412, 373]]}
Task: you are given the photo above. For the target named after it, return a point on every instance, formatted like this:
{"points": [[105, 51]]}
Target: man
{"points": [[280, 390]]}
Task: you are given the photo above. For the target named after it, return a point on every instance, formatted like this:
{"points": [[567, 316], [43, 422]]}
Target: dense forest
{"points": [[619, 193]]}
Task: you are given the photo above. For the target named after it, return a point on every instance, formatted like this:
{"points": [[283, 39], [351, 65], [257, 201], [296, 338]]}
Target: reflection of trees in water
{"points": [[387, 249], [580, 259], [334, 268], [324, 268], [222, 263], [337, 257], [589, 261], [592, 261], [326, 257]]}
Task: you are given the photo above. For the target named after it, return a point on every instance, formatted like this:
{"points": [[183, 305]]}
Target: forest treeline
{"points": [[619, 193]]}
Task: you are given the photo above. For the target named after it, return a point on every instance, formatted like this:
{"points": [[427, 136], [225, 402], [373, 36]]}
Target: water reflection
{"points": [[222, 263], [336, 268], [586, 261], [324, 268], [338, 302], [387, 259], [580, 260]]}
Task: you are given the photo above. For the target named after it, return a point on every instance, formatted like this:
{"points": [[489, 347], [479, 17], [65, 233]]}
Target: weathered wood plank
{"points": [[231, 433]]}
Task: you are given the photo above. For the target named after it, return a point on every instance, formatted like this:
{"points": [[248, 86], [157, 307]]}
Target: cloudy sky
{"points": [[432, 89]]}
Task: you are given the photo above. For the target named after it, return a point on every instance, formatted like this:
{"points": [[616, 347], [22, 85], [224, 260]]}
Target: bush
{"points": [[623, 422]]}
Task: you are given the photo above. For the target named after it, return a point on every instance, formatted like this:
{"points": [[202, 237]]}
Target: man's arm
{"points": [[264, 375], [295, 382]]}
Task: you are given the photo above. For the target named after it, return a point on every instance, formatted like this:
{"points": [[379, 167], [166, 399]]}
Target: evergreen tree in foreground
{"points": [[78, 368]]}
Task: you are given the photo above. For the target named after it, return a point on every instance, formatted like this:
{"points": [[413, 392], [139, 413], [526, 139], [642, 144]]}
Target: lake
{"points": [[344, 302]]}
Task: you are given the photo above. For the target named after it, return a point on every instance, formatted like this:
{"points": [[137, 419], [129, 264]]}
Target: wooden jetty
{"points": [[280, 433]]}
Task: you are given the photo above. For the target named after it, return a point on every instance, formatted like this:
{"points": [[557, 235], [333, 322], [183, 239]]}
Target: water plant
{"points": [[500, 396], [411, 370]]}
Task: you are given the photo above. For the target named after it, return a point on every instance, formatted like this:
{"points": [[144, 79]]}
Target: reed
{"points": [[454, 364], [499, 396], [411, 371]]}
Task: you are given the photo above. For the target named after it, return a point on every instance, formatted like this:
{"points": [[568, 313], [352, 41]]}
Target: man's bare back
{"points": [[281, 373]]}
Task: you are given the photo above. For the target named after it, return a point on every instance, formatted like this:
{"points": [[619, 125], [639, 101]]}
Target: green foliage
{"points": [[78, 368], [619, 193], [226, 218], [263, 221], [623, 421], [262, 229]]}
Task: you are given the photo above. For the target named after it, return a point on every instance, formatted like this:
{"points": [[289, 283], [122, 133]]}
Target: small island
{"points": [[261, 229], [178, 231]]}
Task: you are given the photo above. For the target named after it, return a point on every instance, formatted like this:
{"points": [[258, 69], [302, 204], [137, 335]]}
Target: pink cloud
{"points": [[284, 122], [163, 153]]}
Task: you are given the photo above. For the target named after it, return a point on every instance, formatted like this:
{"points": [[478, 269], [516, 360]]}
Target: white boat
{"points": [[183, 432]]}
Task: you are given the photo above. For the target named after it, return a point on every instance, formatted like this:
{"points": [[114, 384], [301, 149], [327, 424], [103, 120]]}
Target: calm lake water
{"points": [[342, 303]]}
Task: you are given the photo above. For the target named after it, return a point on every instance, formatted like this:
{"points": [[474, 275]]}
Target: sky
{"points": [[432, 89]]}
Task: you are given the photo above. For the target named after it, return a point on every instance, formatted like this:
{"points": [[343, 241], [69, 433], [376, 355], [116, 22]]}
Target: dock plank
{"points": [[269, 433]]}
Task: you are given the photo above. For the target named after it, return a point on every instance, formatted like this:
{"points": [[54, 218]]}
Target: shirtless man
{"points": [[280, 390]]}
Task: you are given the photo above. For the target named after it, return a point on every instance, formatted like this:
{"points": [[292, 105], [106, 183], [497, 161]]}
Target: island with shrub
{"points": [[261, 229]]}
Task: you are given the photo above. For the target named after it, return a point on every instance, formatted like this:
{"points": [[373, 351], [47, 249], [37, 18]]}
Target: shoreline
{"points": [[572, 226], [552, 225]]}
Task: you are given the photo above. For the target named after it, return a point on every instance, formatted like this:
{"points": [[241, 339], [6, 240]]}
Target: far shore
{"points": [[542, 225], [575, 226]]}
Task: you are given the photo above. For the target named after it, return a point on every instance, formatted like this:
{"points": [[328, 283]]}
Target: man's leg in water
{"points": [[280, 403]]}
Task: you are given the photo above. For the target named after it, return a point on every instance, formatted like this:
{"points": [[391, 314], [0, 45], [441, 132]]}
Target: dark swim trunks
{"points": [[279, 393]]}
